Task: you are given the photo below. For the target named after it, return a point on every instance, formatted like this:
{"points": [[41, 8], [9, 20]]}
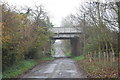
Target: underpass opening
{"points": [[62, 48], [70, 47], [71, 35]]}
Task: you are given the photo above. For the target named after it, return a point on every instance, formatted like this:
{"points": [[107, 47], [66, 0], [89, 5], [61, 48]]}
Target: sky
{"points": [[57, 9]]}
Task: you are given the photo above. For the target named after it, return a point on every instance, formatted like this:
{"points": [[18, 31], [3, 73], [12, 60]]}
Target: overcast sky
{"points": [[57, 9]]}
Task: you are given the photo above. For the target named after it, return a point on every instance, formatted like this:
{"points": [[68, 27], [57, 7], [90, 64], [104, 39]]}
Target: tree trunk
{"points": [[118, 5]]}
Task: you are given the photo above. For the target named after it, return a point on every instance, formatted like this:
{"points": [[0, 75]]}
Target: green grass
{"points": [[52, 51], [47, 58], [68, 54], [78, 58], [18, 68]]}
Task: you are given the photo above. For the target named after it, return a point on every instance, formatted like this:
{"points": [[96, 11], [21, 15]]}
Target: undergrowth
{"points": [[18, 68], [78, 58], [45, 58]]}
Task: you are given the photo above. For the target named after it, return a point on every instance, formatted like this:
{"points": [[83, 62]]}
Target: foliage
{"points": [[47, 58], [68, 54], [66, 47], [100, 29], [100, 25], [18, 68], [52, 51], [22, 36], [99, 34]]}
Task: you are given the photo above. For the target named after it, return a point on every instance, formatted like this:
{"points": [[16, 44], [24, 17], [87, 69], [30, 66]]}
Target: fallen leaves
{"points": [[100, 69]]}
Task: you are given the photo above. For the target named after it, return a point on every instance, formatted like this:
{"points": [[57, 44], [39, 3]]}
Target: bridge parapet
{"points": [[65, 30]]}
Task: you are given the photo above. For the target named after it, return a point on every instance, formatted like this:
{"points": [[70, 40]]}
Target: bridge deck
{"points": [[65, 32]]}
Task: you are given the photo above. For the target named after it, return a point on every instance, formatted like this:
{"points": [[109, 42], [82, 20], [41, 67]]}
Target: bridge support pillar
{"points": [[75, 47]]}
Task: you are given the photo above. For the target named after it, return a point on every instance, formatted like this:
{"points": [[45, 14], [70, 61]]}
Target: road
{"points": [[58, 51], [59, 68]]}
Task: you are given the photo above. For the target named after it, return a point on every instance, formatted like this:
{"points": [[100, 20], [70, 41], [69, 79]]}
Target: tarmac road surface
{"points": [[59, 68]]}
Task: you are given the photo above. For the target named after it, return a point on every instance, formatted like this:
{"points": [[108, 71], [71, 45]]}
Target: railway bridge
{"points": [[72, 33]]}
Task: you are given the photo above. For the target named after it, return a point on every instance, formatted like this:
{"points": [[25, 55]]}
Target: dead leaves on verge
{"points": [[100, 69]]}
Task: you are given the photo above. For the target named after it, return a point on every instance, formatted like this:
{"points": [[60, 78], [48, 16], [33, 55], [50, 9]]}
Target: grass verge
{"points": [[78, 58], [18, 68], [46, 58]]}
